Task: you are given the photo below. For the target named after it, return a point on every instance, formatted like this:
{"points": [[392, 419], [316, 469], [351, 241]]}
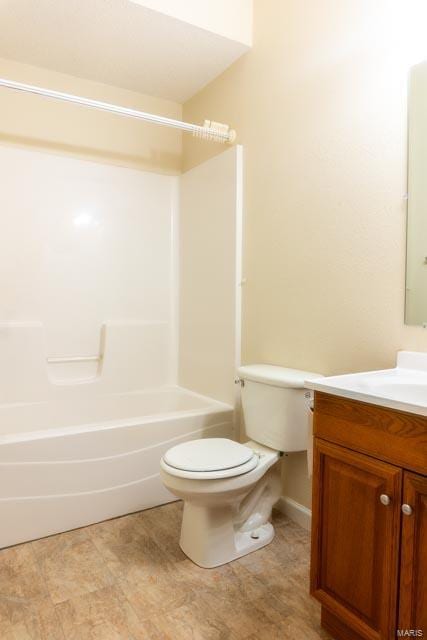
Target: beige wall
{"points": [[32, 121], [319, 105]]}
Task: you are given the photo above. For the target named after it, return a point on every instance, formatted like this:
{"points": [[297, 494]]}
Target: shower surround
{"points": [[116, 286]]}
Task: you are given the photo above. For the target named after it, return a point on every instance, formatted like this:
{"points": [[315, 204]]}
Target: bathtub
{"points": [[83, 458]]}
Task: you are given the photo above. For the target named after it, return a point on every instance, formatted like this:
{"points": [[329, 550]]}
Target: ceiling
{"points": [[116, 42]]}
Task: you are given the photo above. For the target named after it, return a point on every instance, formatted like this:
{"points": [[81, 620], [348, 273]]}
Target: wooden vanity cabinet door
{"points": [[355, 539], [413, 571]]}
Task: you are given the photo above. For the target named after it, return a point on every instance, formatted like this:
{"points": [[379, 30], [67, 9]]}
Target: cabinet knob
{"points": [[407, 509], [385, 499]]}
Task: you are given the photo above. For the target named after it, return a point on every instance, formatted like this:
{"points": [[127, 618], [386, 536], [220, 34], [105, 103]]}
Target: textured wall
{"points": [[320, 108]]}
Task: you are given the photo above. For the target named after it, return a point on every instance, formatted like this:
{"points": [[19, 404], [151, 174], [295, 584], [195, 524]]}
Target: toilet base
{"points": [[248, 541], [244, 544], [209, 538]]}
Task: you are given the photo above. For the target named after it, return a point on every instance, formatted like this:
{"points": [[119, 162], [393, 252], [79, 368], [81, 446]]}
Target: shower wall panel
{"points": [[84, 245]]}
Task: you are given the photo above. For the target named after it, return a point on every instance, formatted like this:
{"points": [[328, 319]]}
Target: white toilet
{"points": [[228, 488]]}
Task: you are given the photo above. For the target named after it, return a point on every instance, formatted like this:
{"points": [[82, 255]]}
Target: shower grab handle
{"points": [[65, 359]]}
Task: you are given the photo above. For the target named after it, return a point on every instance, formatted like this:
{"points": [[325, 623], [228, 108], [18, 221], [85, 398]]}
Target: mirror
{"points": [[416, 252]]}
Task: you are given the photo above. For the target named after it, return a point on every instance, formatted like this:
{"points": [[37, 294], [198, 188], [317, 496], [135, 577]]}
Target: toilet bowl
{"points": [[226, 510], [228, 488]]}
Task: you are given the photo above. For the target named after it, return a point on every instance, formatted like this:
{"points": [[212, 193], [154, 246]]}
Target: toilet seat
{"points": [[209, 458]]}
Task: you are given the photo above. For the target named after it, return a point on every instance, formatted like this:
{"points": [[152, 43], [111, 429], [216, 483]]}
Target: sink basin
{"points": [[403, 388]]}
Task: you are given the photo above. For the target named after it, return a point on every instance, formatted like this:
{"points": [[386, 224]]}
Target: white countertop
{"points": [[403, 388]]}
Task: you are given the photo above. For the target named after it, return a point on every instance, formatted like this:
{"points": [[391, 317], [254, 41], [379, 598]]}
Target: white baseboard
{"points": [[295, 511]]}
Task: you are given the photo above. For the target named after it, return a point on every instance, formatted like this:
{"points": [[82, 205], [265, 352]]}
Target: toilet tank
{"points": [[275, 409]]}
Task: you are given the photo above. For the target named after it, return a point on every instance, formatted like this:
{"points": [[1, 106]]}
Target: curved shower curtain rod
{"points": [[210, 130]]}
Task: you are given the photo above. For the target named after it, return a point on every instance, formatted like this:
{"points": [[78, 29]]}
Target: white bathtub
{"points": [[83, 458]]}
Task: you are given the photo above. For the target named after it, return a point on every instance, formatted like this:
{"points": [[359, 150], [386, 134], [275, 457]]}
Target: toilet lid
{"points": [[210, 454]]}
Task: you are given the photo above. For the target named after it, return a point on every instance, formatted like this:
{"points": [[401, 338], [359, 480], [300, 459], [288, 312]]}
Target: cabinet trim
{"points": [[385, 434]]}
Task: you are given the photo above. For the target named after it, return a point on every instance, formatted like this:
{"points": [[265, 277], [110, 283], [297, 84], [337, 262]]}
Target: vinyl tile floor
{"points": [[127, 579]]}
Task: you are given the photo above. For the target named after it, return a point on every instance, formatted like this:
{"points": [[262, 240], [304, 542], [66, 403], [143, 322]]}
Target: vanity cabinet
{"points": [[369, 533]]}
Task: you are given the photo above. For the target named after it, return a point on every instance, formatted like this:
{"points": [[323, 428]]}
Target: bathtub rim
{"points": [[212, 406]]}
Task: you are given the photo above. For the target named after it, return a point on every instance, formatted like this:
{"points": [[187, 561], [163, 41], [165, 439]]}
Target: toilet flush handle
{"points": [[239, 381]]}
